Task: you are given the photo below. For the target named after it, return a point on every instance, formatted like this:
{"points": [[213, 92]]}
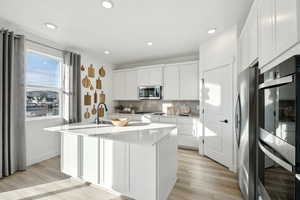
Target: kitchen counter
{"points": [[151, 114], [135, 132], [134, 160]]}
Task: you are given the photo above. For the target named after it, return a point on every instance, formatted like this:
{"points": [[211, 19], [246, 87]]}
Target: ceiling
{"points": [[176, 27]]}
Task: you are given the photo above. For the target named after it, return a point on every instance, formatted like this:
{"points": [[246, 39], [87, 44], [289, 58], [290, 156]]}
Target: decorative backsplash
{"points": [[158, 105], [92, 90]]}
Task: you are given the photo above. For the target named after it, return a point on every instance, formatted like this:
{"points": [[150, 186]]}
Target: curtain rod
{"points": [[35, 42], [45, 45]]}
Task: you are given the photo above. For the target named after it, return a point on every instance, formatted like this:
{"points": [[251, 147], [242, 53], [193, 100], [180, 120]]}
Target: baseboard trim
{"points": [[42, 158]]}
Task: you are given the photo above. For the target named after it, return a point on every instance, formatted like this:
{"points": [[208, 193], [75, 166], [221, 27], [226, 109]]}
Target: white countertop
{"points": [[135, 132]]}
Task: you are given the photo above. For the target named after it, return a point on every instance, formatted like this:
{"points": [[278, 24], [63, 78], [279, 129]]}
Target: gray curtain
{"points": [[12, 104], [72, 87]]}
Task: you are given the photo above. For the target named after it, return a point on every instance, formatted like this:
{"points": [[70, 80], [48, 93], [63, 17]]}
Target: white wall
{"points": [[220, 51], [42, 145], [106, 84]]}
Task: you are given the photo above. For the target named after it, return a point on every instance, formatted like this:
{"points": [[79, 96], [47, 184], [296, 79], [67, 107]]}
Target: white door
{"points": [[217, 101]]}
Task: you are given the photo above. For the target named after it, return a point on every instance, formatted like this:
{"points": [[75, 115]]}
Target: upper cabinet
{"points": [[119, 85], [131, 85], [181, 81], [278, 28], [171, 82], [286, 24], [248, 41], [266, 31], [150, 76], [188, 77], [125, 85]]}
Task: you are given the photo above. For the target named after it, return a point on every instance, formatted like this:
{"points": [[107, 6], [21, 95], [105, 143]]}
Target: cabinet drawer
{"points": [[188, 141], [171, 120], [187, 120], [187, 129]]}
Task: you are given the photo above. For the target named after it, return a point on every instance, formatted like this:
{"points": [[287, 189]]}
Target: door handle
{"points": [[225, 121]]}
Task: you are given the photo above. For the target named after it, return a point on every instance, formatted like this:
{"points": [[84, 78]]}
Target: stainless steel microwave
{"points": [[150, 92]]}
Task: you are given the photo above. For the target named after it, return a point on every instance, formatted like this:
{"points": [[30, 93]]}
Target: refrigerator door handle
{"points": [[238, 120]]}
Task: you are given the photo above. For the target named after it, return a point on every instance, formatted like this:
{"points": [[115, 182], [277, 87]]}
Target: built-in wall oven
{"points": [[150, 92], [279, 133]]}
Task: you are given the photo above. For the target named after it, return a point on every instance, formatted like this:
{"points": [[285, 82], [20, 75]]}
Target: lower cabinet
{"points": [[188, 127], [138, 171]]}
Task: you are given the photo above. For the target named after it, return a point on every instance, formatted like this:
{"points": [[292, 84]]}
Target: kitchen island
{"points": [[138, 161]]}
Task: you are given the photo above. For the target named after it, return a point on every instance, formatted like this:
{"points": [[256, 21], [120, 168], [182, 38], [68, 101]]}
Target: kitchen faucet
{"points": [[98, 121]]}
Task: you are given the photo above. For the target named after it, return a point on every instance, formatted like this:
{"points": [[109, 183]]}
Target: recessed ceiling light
{"points": [[212, 31], [107, 4], [51, 26], [149, 43], [106, 52]]}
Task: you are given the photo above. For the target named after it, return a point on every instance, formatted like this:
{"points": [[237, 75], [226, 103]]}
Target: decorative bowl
{"points": [[119, 121]]}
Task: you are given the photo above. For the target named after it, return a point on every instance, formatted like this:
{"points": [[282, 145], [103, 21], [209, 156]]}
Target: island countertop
{"points": [[135, 132]]}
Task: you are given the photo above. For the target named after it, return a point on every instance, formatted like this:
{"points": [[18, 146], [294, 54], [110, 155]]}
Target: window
{"points": [[43, 85]]}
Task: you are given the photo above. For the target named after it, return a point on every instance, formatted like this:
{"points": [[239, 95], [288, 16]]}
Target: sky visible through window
{"points": [[42, 70]]}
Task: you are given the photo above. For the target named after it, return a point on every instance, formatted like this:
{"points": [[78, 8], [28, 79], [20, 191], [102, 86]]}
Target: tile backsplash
{"points": [[158, 105]]}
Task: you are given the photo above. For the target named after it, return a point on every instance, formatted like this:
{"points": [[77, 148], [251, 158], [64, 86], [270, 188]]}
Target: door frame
{"points": [[232, 65]]}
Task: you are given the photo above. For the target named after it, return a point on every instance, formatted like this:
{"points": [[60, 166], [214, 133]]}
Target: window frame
{"points": [[59, 89]]}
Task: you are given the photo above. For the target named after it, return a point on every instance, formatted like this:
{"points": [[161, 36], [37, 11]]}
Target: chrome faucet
{"points": [[98, 121]]}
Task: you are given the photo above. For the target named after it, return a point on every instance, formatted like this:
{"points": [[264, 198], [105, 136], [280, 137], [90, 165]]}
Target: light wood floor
{"points": [[199, 178]]}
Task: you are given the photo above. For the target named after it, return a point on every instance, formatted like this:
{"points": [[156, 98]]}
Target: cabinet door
{"points": [[131, 85], [252, 30], [243, 46], [119, 85], [143, 77], [115, 165], [171, 83], [286, 25], [155, 76], [266, 30], [188, 82]]}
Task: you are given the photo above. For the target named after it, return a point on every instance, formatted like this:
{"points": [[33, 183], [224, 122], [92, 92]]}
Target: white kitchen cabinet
{"points": [[188, 81], [71, 155], [188, 131], [156, 76], [267, 34], [286, 24], [278, 28], [114, 169], [143, 77], [150, 76], [119, 85], [181, 81], [248, 41], [131, 90], [171, 83]]}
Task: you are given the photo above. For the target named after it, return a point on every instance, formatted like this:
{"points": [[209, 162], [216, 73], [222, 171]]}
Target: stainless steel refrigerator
{"points": [[245, 129]]}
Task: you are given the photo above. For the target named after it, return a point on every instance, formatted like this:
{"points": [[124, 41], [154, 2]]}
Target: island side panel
{"points": [[142, 172], [166, 164], [114, 165], [90, 159], [71, 155]]}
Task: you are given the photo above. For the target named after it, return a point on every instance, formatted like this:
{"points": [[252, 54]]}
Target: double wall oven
{"points": [[279, 132]]}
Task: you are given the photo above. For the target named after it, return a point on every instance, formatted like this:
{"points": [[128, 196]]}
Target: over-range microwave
{"points": [[150, 92]]}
